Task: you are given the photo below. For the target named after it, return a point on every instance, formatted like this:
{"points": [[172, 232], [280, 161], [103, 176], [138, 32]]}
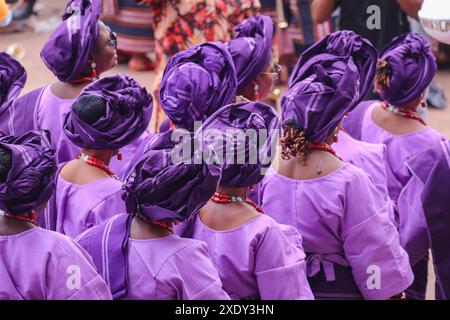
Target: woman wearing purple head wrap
{"points": [[343, 219], [405, 69], [37, 264], [108, 115], [251, 50], [197, 82], [257, 258], [77, 53], [12, 79], [141, 257]]}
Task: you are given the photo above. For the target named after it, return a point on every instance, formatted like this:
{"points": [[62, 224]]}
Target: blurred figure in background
{"points": [[376, 20], [5, 14], [133, 24], [295, 29], [181, 24], [24, 10]]}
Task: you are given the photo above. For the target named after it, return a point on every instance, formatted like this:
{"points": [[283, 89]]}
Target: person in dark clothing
{"points": [[379, 21]]}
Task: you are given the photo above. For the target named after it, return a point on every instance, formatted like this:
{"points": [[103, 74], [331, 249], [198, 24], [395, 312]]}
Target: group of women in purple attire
{"points": [[94, 206]]}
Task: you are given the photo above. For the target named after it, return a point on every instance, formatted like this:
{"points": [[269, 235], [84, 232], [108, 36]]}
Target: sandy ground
{"points": [[38, 74]]}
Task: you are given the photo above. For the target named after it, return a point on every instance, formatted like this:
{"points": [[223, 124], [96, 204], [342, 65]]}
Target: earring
{"points": [[336, 138], [119, 156], [94, 71], [423, 103], [256, 89]]}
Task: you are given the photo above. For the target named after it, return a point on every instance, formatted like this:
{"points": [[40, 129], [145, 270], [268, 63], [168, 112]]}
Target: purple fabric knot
{"points": [[251, 48], [316, 261], [345, 43], [12, 79], [196, 83], [413, 66], [30, 181], [128, 112]]}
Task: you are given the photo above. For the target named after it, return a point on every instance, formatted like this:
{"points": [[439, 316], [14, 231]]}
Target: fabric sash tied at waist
{"points": [[327, 260]]}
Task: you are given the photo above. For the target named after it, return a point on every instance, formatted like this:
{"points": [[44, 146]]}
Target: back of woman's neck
{"points": [[236, 192], [394, 123], [66, 90], [318, 164], [142, 230], [9, 227]]}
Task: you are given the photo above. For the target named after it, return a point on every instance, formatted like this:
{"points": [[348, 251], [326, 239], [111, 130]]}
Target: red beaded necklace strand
{"points": [[223, 198], [323, 147], [403, 112], [31, 218], [92, 78], [92, 161], [164, 225]]}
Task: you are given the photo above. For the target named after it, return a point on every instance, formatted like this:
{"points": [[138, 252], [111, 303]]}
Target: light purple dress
{"points": [[261, 259], [43, 265], [346, 230], [76, 208], [50, 114], [168, 268], [369, 157], [172, 268], [398, 148]]}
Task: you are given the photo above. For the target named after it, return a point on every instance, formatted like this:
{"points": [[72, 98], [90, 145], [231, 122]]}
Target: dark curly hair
{"points": [[5, 163]]}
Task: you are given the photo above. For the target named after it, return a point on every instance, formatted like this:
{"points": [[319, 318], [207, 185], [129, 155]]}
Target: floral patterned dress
{"points": [[180, 24]]}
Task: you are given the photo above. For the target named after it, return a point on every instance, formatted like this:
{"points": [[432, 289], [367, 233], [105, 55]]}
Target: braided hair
{"points": [[383, 75], [294, 143]]}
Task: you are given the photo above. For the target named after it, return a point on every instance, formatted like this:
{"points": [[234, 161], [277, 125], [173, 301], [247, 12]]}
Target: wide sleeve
{"points": [[191, 274], [71, 275], [413, 226], [106, 209], [380, 266], [280, 265]]}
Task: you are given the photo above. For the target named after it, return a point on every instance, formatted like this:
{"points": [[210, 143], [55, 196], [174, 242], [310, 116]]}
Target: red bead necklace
{"points": [[92, 78], [403, 112], [31, 218], [164, 225], [222, 198], [90, 160], [324, 147]]}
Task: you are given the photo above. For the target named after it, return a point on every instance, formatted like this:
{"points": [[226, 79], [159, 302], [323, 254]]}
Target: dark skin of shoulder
{"points": [[394, 123], [142, 230], [10, 227]]}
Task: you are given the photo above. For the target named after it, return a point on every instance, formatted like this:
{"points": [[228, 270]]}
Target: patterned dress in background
{"points": [[180, 24], [133, 24]]}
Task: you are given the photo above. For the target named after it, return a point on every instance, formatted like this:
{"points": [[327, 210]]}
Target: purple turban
{"points": [[342, 44], [12, 79], [197, 82], [241, 135], [323, 88], [251, 49], [67, 51], [412, 67], [128, 112], [30, 181], [157, 189], [162, 190]]}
